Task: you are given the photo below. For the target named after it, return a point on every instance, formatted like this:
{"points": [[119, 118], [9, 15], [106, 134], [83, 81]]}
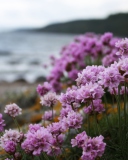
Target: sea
{"points": [[26, 55]]}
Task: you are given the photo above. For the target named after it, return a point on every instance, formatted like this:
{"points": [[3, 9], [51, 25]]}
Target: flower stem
{"points": [[16, 123]]}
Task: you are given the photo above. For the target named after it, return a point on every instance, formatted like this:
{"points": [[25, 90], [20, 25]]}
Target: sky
{"points": [[38, 13]]}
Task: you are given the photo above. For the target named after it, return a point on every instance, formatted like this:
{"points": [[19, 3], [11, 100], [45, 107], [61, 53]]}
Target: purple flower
{"points": [[110, 78], [96, 107], [89, 92], [10, 135], [64, 111], [69, 97], [49, 99], [122, 45], [13, 110], [37, 141], [73, 120], [43, 89], [89, 74], [34, 127], [122, 66], [55, 128], [10, 147], [2, 124], [105, 38], [48, 115], [92, 147], [79, 140]]}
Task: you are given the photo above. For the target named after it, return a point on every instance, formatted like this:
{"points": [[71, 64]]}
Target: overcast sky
{"points": [[38, 13]]}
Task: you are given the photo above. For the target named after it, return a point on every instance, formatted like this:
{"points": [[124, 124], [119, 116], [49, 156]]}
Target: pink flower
{"points": [[49, 99], [13, 110], [43, 89], [73, 120], [37, 141], [92, 147], [48, 115], [10, 135], [122, 45], [10, 147]]}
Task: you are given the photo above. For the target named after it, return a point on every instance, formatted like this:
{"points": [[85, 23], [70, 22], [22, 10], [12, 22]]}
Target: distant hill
{"points": [[117, 23]]}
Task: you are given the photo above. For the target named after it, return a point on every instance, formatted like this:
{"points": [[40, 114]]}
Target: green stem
{"points": [[16, 123], [96, 122], [105, 100], [44, 154], [88, 125], [125, 106], [118, 108]]}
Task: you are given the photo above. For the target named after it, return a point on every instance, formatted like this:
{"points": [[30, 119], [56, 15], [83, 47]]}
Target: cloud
{"points": [[36, 13]]}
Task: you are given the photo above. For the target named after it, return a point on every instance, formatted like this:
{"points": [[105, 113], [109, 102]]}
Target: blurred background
{"points": [[33, 30]]}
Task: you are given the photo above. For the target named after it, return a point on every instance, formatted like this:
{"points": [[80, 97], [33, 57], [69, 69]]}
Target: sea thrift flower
{"points": [[96, 107], [64, 111], [49, 99], [69, 97], [89, 92], [13, 110], [79, 140], [92, 147], [105, 38], [2, 124], [110, 77], [122, 66], [10, 135], [38, 141], [73, 120], [10, 147], [55, 128], [122, 45], [48, 115], [89, 74], [34, 127], [43, 89]]}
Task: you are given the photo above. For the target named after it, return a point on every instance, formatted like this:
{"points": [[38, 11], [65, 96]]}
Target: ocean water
{"points": [[23, 54]]}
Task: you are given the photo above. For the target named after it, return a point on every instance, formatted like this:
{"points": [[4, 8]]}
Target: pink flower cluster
{"points": [[48, 115], [49, 99], [12, 110], [122, 47], [96, 106], [92, 147], [71, 120], [74, 57], [40, 139], [10, 140], [43, 89]]}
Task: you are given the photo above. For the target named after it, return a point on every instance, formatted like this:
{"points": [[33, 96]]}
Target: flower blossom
{"points": [[48, 115], [97, 106], [89, 92], [10, 136], [92, 147], [122, 45], [13, 110], [43, 89], [49, 99], [73, 120]]}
